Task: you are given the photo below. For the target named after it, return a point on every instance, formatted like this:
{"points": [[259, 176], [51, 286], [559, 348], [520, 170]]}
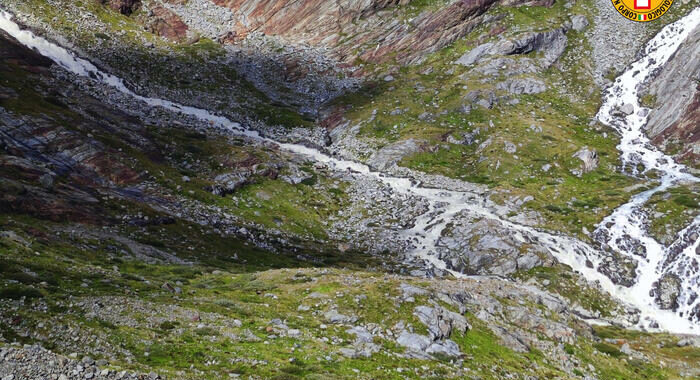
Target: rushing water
{"points": [[627, 224], [444, 205]]}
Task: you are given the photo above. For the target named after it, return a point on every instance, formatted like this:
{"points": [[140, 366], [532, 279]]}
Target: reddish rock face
{"points": [[432, 31], [166, 24], [294, 70], [313, 17], [314, 22], [685, 131], [361, 29], [333, 118], [50, 166], [125, 7]]}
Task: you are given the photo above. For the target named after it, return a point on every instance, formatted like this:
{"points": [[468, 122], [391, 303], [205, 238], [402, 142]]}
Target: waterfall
{"points": [[624, 222]]}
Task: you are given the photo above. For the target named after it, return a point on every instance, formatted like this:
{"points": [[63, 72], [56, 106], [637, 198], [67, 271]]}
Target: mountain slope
{"points": [[156, 241]]}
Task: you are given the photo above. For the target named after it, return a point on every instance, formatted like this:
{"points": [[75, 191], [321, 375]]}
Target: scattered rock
{"points": [[522, 86], [471, 57], [333, 316], [579, 22], [589, 158], [393, 153], [413, 341], [666, 291], [627, 109], [690, 341], [440, 321], [509, 147], [447, 348]]}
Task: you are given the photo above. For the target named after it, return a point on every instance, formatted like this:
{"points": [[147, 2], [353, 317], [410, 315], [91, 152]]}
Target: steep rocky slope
{"points": [[674, 97], [122, 284], [95, 301], [153, 241]]}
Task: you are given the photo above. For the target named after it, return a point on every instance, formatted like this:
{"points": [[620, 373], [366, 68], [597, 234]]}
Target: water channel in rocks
{"points": [[622, 231]]}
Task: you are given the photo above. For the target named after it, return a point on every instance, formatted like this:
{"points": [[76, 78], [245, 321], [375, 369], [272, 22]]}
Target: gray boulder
{"points": [[391, 154], [364, 350], [413, 341], [589, 159], [440, 321], [690, 341], [627, 109], [522, 86], [361, 334], [579, 22], [230, 182], [552, 44], [426, 116], [295, 176], [447, 348], [411, 291], [472, 56], [480, 246], [485, 100], [666, 292], [334, 317]]}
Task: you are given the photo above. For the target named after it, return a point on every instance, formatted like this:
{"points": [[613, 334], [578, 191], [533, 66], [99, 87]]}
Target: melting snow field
{"points": [[627, 222]]}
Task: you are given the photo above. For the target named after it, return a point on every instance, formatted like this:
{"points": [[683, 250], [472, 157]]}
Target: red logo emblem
{"points": [[642, 4]]}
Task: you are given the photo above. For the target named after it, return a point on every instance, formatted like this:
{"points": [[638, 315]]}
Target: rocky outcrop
{"points": [[552, 44], [360, 29], [430, 31], [47, 168], [523, 86], [228, 183], [317, 19], [165, 23], [393, 153], [440, 321], [674, 122], [472, 56], [666, 292], [483, 247], [589, 160], [125, 7]]}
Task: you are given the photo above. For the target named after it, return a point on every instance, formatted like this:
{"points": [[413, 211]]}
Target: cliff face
{"points": [[357, 29], [315, 19], [674, 123]]}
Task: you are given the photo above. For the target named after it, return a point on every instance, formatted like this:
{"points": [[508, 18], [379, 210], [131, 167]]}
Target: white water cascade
{"points": [[626, 227], [444, 205]]}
